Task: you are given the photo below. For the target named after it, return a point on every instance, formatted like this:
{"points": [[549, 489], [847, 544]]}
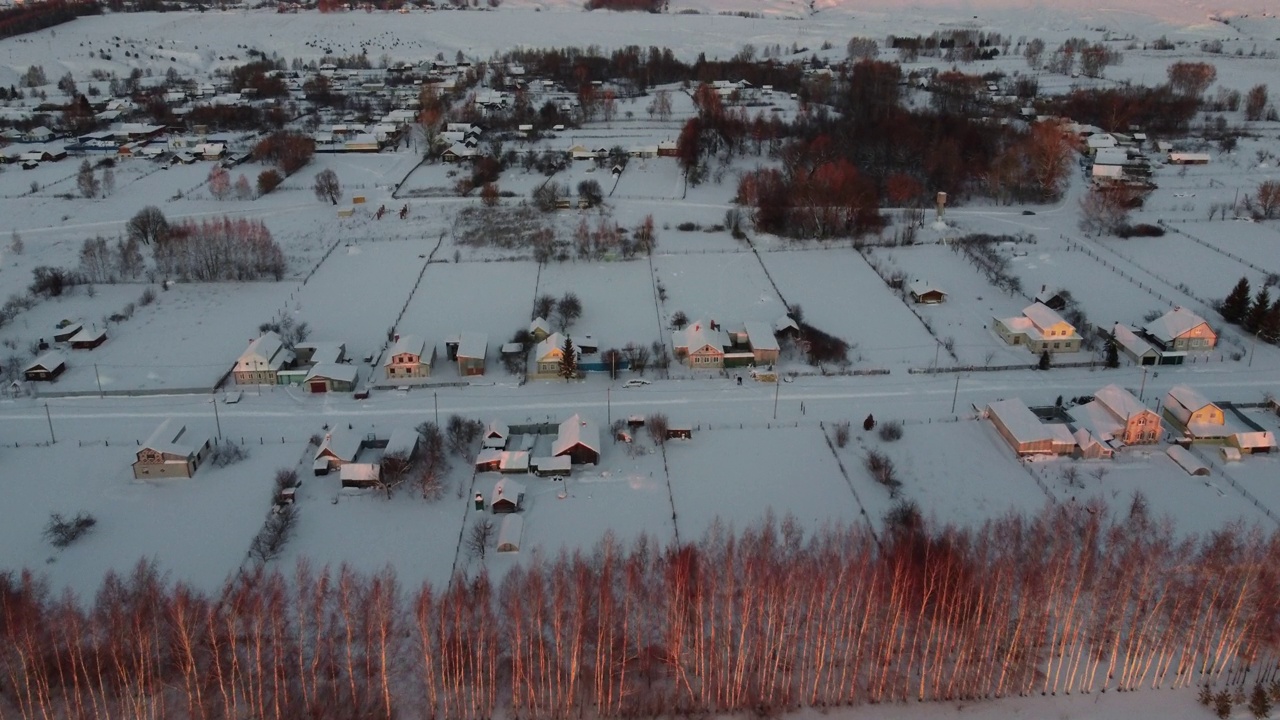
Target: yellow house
{"points": [[701, 345], [1039, 328], [1181, 330], [1191, 410], [549, 355]]}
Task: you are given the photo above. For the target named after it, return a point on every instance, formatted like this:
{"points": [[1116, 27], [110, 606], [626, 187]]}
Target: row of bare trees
{"points": [[1067, 601]]}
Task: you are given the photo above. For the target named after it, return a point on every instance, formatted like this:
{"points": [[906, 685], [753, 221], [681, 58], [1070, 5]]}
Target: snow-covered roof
{"points": [[698, 334], [403, 440], [1182, 401], [411, 344], [553, 343], [1111, 156], [1024, 426], [510, 532], [88, 335], [323, 352], [1256, 440], [1042, 315], [496, 429], [539, 323], [48, 361], [785, 323], [1107, 171], [1098, 420], [1130, 342], [341, 372], [922, 287], [1174, 324], [1120, 402], [552, 464], [1102, 140], [473, 345], [165, 439], [266, 352], [576, 431], [363, 473], [760, 335], [1186, 460], [506, 489], [341, 445]]}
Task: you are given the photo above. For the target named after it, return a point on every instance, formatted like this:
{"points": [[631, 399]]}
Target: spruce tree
{"points": [[569, 363], [1236, 303], [1113, 353], [1270, 329], [1045, 360], [1260, 702], [1257, 314]]}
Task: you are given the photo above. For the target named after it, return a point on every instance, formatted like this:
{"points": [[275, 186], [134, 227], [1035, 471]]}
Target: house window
{"points": [[1055, 345]]}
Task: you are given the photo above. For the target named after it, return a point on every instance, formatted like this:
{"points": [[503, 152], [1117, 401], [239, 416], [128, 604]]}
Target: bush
{"points": [[148, 297], [62, 532], [842, 433], [228, 453], [268, 180], [891, 431], [275, 532], [1140, 230], [883, 471], [688, 226]]}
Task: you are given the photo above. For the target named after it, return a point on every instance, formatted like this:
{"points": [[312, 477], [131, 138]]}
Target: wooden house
{"points": [[700, 345], [549, 356], [165, 454], [579, 440], [88, 339], [409, 358], [66, 329], [1116, 417], [336, 450], [45, 368], [924, 293], [1134, 346], [539, 329], [763, 343], [507, 497]]}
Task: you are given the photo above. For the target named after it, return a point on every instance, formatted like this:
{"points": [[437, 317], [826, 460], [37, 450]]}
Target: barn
{"points": [[1024, 432], [579, 440]]}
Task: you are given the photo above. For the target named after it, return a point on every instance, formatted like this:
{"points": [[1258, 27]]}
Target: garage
{"points": [[318, 386]]}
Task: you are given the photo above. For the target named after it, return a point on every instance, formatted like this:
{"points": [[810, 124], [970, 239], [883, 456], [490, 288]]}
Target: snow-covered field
{"points": [[758, 448]]}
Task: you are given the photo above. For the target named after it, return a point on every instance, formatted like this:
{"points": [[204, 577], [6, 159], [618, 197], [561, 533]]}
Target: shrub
{"points": [[891, 431], [62, 532], [842, 433], [268, 180], [148, 297], [275, 532], [688, 226], [1140, 230], [883, 471], [227, 453]]}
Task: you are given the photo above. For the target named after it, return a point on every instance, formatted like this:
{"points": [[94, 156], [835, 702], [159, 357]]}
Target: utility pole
{"points": [[955, 395], [1143, 389], [777, 386], [1253, 347], [936, 351], [435, 400], [52, 440], [99, 379], [608, 403], [216, 419]]}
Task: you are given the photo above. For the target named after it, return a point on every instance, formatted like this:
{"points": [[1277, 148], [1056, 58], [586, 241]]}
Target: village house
{"points": [[359, 475], [700, 345], [507, 497], [88, 339], [408, 358], [165, 455], [924, 293], [337, 449], [549, 356], [1181, 330], [1025, 433], [470, 354], [262, 361], [503, 461], [495, 436], [539, 329], [1201, 420], [1040, 329], [579, 440], [45, 368], [1117, 418]]}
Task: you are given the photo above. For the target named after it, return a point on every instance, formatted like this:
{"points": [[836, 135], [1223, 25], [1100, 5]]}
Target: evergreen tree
{"points": [[569, 364], [1045, 360], [1260, 702], [869, 423], [1113, 352], [1270, 328], [1236, 304], [1257, 315]]}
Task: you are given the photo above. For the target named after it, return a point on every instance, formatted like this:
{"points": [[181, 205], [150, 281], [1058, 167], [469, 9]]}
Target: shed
{"points": [[509, 534], [551, 466], [1229, 454], [331, 377], [925, 293], [681, 430], [360, 475], [1186, 460], [578, 439], [1024, 432]]}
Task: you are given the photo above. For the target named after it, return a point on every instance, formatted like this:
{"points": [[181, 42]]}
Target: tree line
{"points": [[1071, 600]]}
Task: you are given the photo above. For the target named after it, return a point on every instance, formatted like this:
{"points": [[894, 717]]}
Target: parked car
{"points": [[635, 383]]}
